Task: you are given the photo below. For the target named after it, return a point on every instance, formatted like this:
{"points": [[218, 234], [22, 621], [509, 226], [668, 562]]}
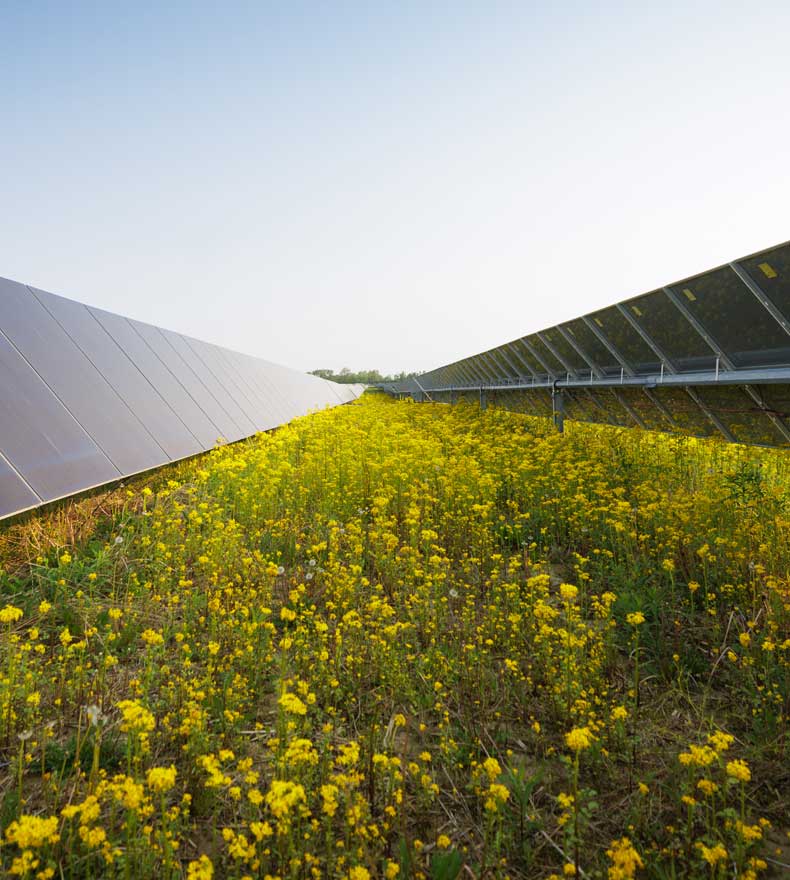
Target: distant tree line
{"points": [[366, 377]]}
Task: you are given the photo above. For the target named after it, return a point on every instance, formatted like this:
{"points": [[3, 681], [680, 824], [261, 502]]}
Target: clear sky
{"points": [[388, 185]]}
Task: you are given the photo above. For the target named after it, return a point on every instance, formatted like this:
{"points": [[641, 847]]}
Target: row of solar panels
{"points": [[729, 325], [88, 397], [739, 313]]}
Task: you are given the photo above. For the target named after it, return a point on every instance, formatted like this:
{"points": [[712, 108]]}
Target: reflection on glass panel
{"points": [[620, 415], [592, 346], [574, 408], [600, 406], [735, 319], [567, 352], [514, 401], [740, 414], [771, 272], [527, 356], [646, 409], [546, 356], [777, 398], [687, 415], [597, 406], [579, 407], [667, 326], [626, 340], [532, 403], [542, 402]]}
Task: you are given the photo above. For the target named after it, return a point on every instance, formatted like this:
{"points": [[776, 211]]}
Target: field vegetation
{"points": [[405, 640]]}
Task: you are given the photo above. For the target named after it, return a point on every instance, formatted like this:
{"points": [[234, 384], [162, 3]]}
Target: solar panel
{"points": [[15, 494], [159, 377], [88, 397], [205, 428], [75, 381], [216, 402], [120, 372], [41, 439], [708, 355], [231, 397]]}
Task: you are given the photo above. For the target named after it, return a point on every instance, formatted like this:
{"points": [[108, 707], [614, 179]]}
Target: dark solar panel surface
{"points": [[88, 397]]}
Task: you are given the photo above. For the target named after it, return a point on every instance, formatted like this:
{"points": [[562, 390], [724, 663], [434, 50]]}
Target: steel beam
{"points": [[743, 376]]}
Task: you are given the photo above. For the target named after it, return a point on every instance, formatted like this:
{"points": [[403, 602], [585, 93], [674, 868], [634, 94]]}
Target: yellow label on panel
{"points": [[768, 270], [598, 322], [689, 295], [636, 311]]}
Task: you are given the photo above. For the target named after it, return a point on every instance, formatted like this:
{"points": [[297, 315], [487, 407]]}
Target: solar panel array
{"points": [[88, 397], [706, 355]]}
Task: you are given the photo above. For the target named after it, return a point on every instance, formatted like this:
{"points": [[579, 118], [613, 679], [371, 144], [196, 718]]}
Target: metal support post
{"points": [[558, 408]]}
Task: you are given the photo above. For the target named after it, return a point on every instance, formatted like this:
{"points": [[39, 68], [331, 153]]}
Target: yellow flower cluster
{"points": [[391, 640]]}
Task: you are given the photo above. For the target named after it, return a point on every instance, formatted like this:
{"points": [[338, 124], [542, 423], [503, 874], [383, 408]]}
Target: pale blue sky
{"points": [[390, 185]]}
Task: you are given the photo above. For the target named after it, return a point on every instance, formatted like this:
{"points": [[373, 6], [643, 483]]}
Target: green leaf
{"points": [[446, 865]]}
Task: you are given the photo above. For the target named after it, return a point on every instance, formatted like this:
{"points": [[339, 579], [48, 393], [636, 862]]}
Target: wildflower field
{"points": [[405, 640]]}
